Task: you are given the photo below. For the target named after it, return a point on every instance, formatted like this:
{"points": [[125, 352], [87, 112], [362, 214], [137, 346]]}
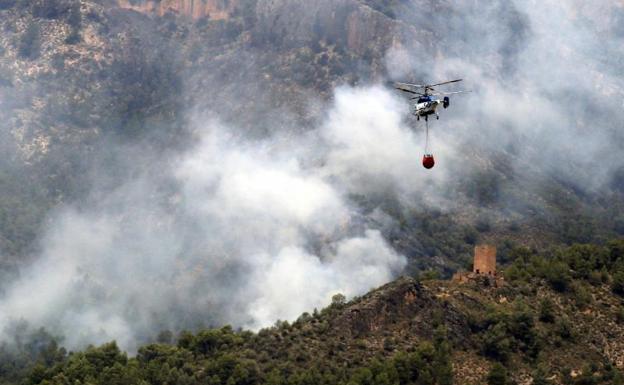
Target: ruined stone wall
{"points": [[485, 259]]}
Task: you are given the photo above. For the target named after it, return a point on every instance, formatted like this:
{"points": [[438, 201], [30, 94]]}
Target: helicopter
{"points": [[427, 100]]}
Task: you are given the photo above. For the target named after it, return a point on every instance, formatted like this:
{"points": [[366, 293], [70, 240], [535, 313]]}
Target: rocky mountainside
{"points": [[104, 103], [360, 25], [194, 9], [73, 73]]}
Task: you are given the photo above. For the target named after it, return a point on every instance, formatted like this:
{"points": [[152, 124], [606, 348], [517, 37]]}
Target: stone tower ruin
{"points": [[484, 260]]}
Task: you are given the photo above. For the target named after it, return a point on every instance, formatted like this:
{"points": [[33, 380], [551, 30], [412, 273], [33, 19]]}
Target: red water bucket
{"points": [[428, 161]]}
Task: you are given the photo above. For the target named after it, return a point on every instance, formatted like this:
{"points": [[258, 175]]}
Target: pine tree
{"points": [[547, 311], [443, 370]]}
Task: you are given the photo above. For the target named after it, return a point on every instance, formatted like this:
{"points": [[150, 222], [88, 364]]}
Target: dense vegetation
{"points": [[537, 330], [222, 356], [570, 269], [208, 358]]}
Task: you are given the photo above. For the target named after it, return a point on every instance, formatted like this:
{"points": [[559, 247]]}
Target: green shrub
{"points": [[497, 375], [582, 296], [497, 343], [558, 276], [521, 321], [443, 370], [584, 259], [618, 282], [564, 329], [616, 251], [547, 310]]}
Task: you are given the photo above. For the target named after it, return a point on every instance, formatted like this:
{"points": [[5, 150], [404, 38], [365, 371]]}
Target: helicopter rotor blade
{"points": [[409, 91], [407, 85], [451, 93], [410, 88], [439, 84]]}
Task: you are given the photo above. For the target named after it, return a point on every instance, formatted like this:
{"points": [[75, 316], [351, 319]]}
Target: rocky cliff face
{"points": [[195, 9], [356, 25], [353, 24]]}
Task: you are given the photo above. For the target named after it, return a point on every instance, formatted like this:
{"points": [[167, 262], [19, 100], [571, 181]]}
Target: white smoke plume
{"points": [[546, 84], [248, 232]]}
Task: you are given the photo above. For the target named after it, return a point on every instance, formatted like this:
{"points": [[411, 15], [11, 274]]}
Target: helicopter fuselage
{"points": [[427, 100], [427, 105]]}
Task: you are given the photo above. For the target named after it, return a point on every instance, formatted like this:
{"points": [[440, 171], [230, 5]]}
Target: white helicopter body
{"points": [[427, 100]]}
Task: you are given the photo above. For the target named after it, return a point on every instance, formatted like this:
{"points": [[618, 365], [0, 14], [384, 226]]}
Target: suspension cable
{"points": [[426, 136]]}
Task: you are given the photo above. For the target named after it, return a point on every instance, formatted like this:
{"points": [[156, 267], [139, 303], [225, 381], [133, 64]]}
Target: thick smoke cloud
{"points": [[233, 231]]}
